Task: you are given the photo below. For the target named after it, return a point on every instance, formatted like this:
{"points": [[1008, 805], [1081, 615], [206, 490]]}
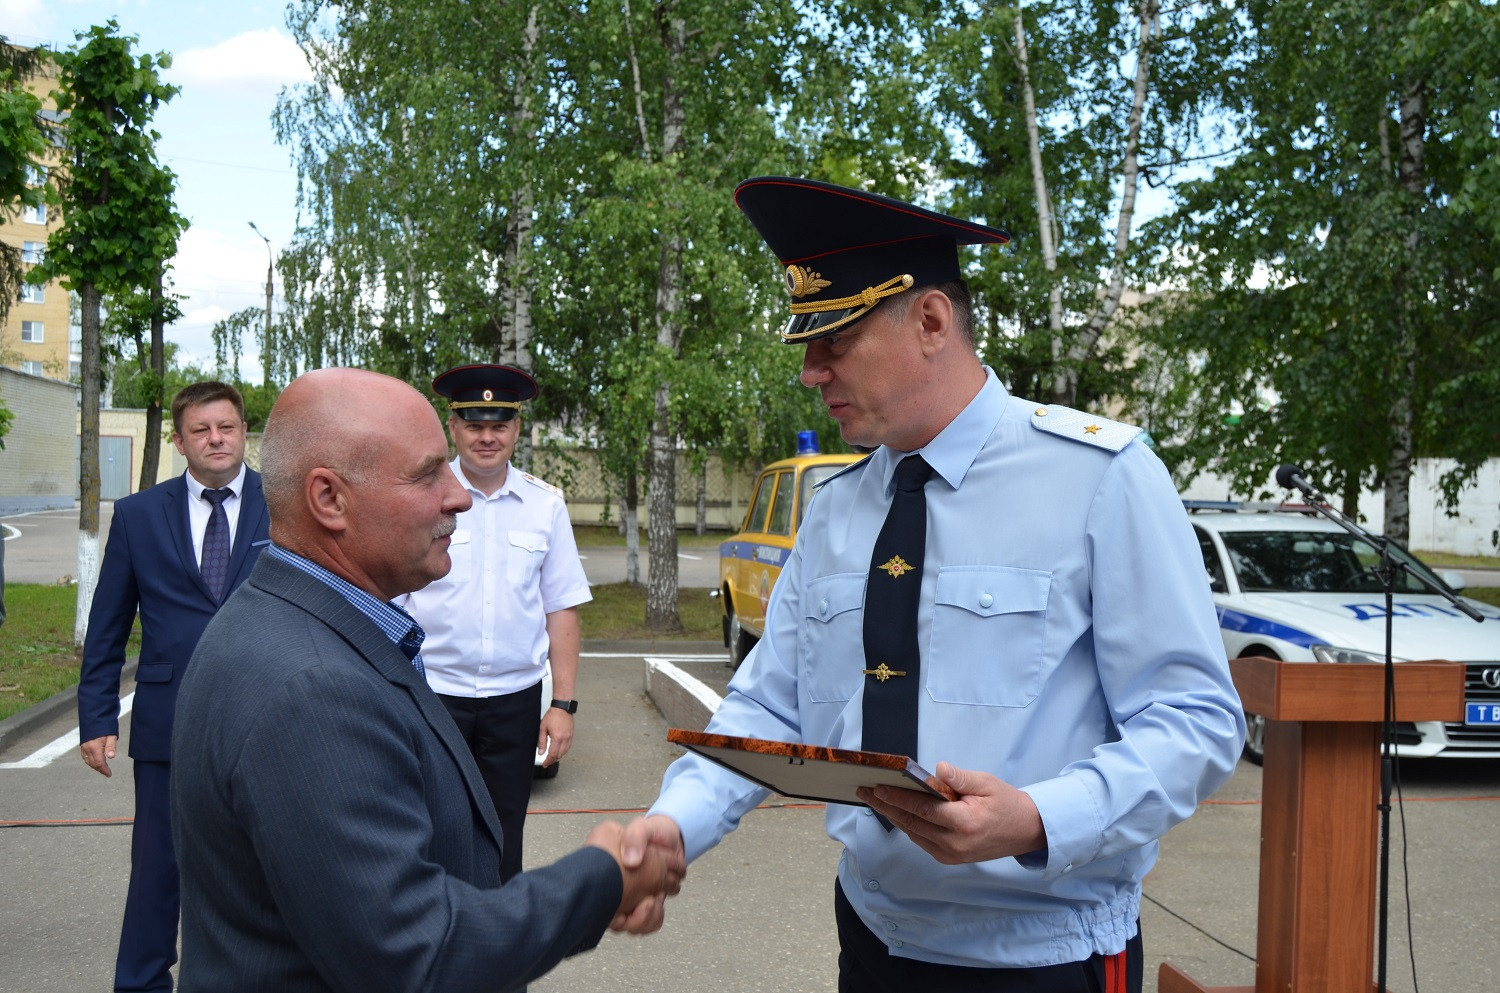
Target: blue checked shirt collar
{"points": [[395, 623]]}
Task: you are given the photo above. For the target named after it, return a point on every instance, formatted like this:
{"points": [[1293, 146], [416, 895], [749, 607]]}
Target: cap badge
{"points": [[802, 282], [489, 394]]}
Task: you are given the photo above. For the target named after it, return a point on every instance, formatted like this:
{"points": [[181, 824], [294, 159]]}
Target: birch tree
{"points": [[1337, 274]]}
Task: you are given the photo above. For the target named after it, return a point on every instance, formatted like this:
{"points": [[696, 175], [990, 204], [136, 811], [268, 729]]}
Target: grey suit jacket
{"points": [[332, 830]]}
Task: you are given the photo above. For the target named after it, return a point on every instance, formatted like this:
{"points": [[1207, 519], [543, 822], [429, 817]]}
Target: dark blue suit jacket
{"points": [[332, 829], [149, 566]]}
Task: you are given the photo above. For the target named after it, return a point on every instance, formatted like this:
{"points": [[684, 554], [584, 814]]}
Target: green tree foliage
{"points": [[1058, 123], [23, 145], [119, 223], [133, 387], [1338, 275], [436, 135]]}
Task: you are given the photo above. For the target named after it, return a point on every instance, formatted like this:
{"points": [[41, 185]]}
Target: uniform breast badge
{"points": [[896, 566]]}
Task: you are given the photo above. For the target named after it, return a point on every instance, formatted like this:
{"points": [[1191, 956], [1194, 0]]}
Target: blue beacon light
{"points": [[807, 443]]}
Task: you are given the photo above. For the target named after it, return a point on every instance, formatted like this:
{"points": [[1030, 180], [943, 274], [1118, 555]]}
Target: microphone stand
{"points": [[1389, 572]]}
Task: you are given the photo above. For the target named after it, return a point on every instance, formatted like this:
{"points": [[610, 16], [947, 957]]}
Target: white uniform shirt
{"points": [[1069, 646], [514, 562]]}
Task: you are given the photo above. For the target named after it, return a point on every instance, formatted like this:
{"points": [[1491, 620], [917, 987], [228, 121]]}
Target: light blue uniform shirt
{"points": [[1069, 647]]}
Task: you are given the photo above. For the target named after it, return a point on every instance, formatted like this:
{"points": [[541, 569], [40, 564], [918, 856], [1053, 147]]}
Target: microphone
{"points": [[1289, 477]]}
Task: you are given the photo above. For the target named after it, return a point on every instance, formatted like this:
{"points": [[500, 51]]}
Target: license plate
{"points": [[1482, 713]]}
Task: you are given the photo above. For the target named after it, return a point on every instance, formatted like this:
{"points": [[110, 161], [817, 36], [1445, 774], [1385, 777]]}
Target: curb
{"points": [[17, 726], [684, 700]]}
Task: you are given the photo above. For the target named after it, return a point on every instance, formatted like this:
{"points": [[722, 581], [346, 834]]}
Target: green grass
{"points": [[618, 613], [1485, 594], [36, 645], [1446, 560], [599, 536], [36, 641]]}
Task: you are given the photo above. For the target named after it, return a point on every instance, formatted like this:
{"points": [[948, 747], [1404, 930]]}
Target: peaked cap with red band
{"points": [[846, 250], [485, 392]]}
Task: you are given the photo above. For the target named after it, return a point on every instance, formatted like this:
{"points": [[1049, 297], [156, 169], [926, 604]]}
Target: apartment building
{"points": [[37, 336]]}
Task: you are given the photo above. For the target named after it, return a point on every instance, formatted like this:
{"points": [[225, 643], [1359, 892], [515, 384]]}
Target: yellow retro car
{"points": [[751, 561]]}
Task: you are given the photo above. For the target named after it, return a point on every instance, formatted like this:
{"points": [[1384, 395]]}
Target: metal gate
{"points": [[115, 477]]}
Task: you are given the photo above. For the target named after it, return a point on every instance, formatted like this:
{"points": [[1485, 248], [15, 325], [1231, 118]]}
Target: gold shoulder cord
{"points": [[862, 302]]}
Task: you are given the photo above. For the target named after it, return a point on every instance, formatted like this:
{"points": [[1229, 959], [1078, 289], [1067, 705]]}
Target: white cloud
{"points": [[216, 274], [15, 13], [265, 56]]}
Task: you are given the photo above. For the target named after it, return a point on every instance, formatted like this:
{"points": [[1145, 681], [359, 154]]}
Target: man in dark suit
{"points": [[333, 830], [175, 553]]}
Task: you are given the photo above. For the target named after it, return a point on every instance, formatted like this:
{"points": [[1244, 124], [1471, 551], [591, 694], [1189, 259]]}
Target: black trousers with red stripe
{"points": [[866, 965]]}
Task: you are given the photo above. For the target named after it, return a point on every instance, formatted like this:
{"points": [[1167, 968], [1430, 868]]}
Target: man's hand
{"points": [[990, 819], [653, 864], [556, 736], [98, 752]]}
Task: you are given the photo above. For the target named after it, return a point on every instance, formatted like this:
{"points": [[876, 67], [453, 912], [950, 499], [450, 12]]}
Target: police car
{"points": [[750, 562], [1298, 587]]}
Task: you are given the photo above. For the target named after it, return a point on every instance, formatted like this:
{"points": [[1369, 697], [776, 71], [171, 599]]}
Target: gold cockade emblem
{"points": [[897, 567], [883, 672], [802, 282]]}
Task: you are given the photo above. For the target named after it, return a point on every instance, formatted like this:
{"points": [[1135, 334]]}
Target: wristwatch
{"points": [[567, 706]]}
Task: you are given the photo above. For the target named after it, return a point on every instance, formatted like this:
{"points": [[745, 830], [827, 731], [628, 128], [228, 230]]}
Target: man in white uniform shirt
{"points": [[508, 604]]}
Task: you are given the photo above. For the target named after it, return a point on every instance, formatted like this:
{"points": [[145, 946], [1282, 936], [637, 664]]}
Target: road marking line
{"points": [[45, 755]]}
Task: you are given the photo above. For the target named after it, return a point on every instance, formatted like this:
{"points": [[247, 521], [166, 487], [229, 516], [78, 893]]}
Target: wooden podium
{"points": [[1315, 931]]}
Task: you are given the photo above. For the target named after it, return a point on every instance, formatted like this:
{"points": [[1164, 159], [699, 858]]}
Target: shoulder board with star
{"points": [[1085, 427], [846, 469], [542, 483]]}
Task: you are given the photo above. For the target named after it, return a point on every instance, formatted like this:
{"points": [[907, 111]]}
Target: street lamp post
{"points": [[267, 350]]}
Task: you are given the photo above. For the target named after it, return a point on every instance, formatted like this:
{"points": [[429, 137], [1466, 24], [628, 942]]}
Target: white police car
{"points": [[1298, 587]]}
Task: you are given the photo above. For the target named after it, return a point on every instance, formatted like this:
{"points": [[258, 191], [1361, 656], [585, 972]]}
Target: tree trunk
{"points": [[1046, 221], [661, 587], [151, 449], [1083, 347], [1411, 169], [630, 520], [515, 277], [88, 464], [700, 520]]}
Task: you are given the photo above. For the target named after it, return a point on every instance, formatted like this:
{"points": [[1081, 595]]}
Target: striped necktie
{"points": [[214, 566]]}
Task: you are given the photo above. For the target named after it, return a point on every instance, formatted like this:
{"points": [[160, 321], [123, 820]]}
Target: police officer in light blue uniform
{"points": [[1070, 683]]}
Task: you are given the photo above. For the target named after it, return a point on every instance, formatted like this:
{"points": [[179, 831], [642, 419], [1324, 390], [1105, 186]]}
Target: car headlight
{"points": [[1332, 653]]}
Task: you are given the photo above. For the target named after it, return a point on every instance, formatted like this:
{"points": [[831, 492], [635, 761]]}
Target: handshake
{"points": [[652, 863]]}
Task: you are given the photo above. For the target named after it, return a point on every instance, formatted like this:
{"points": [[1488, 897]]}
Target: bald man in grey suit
{"points": [[332, 829]]}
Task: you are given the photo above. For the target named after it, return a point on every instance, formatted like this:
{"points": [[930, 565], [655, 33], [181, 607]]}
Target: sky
{"points": [[230, 61]]}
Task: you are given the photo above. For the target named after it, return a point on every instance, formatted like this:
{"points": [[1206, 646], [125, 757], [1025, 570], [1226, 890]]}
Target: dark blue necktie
{"points": [[215, 562], [893, 664], [411, 647]]}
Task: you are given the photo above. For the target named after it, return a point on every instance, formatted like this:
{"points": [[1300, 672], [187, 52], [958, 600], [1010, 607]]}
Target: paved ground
{"points": [[756, 912]]}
